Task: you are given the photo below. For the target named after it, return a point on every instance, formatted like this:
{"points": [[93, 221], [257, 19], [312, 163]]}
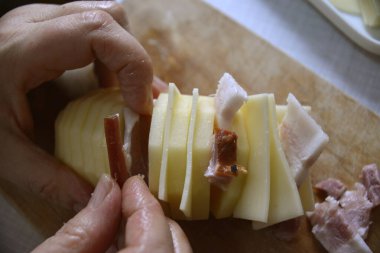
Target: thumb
{"points": [[92, 229]]}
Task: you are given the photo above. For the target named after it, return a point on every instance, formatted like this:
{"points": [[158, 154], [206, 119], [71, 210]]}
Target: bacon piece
{"points": [[230, 96], [223, 167], [357, 209], [333, 230], [302, 139], [331, 187], [370, 177], [115, 149]]}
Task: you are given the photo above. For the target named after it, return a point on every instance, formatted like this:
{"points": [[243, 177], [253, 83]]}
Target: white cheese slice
{"points": [[285, 202], [156, 137], [254, 200], [173, 96], [204, 127], [186, 200], [307, 195], [81, 112], [223, 202], [177, 154]]}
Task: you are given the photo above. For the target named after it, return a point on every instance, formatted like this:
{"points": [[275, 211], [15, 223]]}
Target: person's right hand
{"points": [[93, 229], [38, 43]]}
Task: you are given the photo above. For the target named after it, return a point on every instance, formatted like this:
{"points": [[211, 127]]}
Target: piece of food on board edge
{"points": [[231, 155]]}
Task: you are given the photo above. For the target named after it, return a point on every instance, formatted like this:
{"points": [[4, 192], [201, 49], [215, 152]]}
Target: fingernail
{"points": [[102, 189]]}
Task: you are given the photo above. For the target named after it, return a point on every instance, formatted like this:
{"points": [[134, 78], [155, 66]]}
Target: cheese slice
{"points": [[223, 202], [177, 154], [285, 202], [204, 127], [75, 131], [307, 195], [254, 200], [186, 200], [173, 96], [156, 137], [350, 6], [370, 10]]}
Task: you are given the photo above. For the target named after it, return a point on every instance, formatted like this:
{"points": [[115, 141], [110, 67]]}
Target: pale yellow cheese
{"points": [[82, 112], [67, 126], [370, 10], [307, 195], [254, 200], [177, 154], [80, 140], [186, 200], [156, 136], [285, 202], [350, 6], [223, 202], [204, 127], [173, 95]]}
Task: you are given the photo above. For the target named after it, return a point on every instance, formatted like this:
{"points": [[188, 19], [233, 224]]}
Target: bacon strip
{"points": [[223, 167], [114, 141]]}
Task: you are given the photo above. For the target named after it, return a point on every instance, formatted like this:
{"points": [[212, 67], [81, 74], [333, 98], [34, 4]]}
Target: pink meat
{"points": [[357, 209], [332, 187], [333, 230], [329, 225], [371, 179]]}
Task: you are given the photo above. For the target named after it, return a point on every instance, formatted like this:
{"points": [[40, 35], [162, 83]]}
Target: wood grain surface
{"points": [[192, 45]]}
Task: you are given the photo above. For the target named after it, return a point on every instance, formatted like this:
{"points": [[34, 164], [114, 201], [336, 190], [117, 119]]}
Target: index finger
{"points": [[75, 40], [147, 229]]}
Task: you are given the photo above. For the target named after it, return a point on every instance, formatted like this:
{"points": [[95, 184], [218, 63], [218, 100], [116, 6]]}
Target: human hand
{"points": [[38, 43], [94, 228]]}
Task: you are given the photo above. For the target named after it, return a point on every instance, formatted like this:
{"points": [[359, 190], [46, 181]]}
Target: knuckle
{"points": [[97, 19], [74, 234], [118, 12]]}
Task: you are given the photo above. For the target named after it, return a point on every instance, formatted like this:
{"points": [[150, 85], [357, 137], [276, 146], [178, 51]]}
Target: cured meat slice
{"points": [[357, 209], [331, 187], [302, 139], [333, 230], [223, 167], [371, 179]]}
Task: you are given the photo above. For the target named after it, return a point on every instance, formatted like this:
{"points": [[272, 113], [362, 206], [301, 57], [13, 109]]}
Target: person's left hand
{"points": [[93, 229], [40, 42]]}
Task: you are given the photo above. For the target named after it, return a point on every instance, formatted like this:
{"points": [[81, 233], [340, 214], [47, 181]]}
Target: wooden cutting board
{"points": [[192, 44]]}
